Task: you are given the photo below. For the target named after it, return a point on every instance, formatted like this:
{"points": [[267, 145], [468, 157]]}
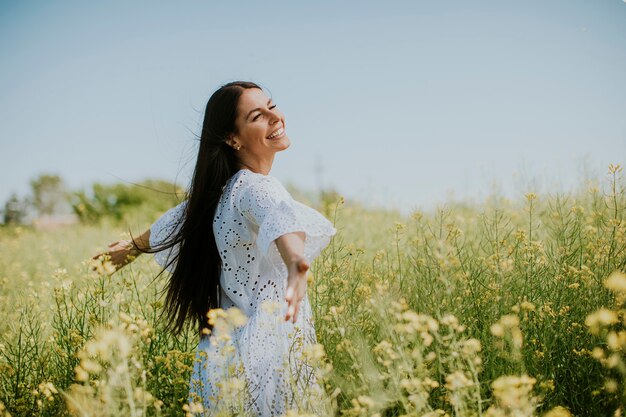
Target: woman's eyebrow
{"points": [[258, 108]]}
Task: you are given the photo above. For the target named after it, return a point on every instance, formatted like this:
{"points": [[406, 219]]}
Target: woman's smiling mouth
{"points": [[277, 134]]}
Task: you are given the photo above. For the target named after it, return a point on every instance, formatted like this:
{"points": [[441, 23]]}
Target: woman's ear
{"points": [[232, 142]]}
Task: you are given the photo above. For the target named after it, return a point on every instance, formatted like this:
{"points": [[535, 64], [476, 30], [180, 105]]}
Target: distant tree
{"points": [[115, 201], [14, 210], [48, 194]]}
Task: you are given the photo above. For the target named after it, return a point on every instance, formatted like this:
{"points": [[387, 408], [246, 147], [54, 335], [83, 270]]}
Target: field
{"points": [[508, 308]]}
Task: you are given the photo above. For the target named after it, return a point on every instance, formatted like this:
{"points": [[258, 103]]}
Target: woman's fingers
{"points": [[292, 312], [293, 306], [110, 247], [291, 309], [295, 314]]}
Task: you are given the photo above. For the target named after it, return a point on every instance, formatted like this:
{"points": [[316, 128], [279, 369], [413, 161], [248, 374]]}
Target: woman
{"points": [[240, 240]]}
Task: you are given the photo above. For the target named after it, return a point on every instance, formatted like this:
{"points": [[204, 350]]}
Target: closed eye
{"points": [[261, 114]]}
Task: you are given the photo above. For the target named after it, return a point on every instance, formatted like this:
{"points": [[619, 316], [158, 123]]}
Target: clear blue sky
{"points": [[407, 103]]}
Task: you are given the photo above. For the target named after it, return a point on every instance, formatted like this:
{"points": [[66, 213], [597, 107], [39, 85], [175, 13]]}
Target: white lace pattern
{"points": [[253, 211]]}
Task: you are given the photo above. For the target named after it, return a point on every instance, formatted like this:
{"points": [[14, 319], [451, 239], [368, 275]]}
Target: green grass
{"points": [[542, 259]]}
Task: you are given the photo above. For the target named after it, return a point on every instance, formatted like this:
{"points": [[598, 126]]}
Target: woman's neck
{"points": [[258, 165]]}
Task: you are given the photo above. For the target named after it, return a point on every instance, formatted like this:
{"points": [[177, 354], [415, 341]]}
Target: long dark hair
{"points": [[194, 285]]}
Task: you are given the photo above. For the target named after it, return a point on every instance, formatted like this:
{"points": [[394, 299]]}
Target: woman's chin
{"points": [[284, 144]]}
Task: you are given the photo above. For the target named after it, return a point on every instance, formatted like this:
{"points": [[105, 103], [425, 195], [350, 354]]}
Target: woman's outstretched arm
{"points": [[122, 252], [291, 248]]}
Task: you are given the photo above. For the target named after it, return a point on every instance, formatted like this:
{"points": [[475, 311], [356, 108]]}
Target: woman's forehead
{"points": [[252, 98]]}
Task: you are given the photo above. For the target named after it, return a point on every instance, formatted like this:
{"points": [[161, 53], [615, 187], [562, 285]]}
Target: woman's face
{"points": [[260, 125]]}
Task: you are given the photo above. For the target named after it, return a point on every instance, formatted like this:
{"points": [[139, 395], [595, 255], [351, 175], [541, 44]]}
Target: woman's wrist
{"points": [[132, 248], [295, 259], [300, 267]]}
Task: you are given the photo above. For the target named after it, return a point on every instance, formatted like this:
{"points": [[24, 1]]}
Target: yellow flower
{"points": [[427, 338], [366, 401], [471, 347], [613, 361], [497, 330], [509, 321], [90, 366], [558, 411], [616, 282], [270, 307], [458, 380], [214, 314], [81, 374], [315, 352], [597, 353], [610, 385], [615, 168], [615, 341], [335, 311], [236, 317], [450, 321], [513, 391], [125, 318], [600, 318], [109, 268]]}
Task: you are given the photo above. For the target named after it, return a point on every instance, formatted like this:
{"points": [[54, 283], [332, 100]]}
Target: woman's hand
{"points": [[291, 248], [296, 286], [119, 253]]}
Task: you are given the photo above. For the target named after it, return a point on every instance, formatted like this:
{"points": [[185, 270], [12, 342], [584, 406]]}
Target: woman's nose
{"points": [[274, 116]]}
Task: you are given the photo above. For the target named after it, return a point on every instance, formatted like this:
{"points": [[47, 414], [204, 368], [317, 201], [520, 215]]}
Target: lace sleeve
{"points": [[164, 229], [271, 208]]}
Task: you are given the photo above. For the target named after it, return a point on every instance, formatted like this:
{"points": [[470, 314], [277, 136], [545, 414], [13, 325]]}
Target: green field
{"points": [[497, 309]]}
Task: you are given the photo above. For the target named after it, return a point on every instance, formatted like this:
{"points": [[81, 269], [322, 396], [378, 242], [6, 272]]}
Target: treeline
{"points": [[50, 198]]}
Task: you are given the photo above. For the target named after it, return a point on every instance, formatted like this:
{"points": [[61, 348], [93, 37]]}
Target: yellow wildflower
{"points": [[600, 318], [458, 380], [236, 317], [616, 282], [558, 411]]}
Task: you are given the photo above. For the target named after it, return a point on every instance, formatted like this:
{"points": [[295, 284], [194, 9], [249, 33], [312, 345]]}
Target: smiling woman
{"points": [[261, 131], [240, 240]]}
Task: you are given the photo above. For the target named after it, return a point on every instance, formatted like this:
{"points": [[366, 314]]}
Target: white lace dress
{"points": [[253, 211]]}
